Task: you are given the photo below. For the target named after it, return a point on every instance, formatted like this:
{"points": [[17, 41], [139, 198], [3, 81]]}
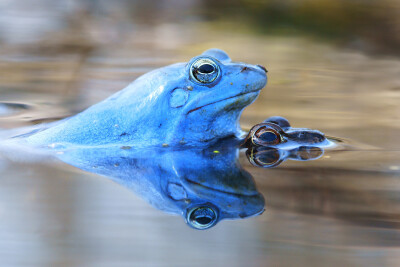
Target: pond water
{"points": [[342, 209]]}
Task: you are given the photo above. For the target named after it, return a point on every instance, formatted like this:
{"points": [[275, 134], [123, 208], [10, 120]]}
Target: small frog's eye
{"points": [[201, 217], [264, 157], [204, 70], [266, 135]]}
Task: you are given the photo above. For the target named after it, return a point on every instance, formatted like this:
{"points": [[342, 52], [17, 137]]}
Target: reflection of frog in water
{"points": [[204, 185], [192, 103]]}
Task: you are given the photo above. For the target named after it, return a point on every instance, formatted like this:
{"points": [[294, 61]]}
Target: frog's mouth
{"points": [[255, 93]]}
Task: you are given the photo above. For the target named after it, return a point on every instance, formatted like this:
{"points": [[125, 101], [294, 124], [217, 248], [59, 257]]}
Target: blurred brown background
{"points": [[333, 66]]}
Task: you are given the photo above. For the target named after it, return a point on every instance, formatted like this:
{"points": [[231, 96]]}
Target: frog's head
{"points": [[193, 102], [201, 100], [212, 96]]}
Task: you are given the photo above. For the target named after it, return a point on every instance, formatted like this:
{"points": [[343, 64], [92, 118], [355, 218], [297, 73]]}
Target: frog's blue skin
{"points": [[178, 181], [165, 107]]}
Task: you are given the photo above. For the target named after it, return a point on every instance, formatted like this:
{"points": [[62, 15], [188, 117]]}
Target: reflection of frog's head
{"points": [[193, 102], [202, 185]]}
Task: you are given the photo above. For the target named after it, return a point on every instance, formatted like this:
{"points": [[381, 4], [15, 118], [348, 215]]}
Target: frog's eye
{"points": [[264, 157], [201, 217], [266, 135], [204, 70]]}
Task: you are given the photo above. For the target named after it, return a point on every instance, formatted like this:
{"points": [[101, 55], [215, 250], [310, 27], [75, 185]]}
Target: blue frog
{"points": [[193, 103], [186, 106]]}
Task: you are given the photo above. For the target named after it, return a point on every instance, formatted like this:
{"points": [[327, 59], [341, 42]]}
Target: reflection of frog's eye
{"points": [[266, 157], [202, 217], [266, 136], [204, 70]]}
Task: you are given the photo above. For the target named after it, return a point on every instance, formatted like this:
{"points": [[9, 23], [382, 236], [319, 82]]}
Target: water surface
{"points": [[342, 209]]}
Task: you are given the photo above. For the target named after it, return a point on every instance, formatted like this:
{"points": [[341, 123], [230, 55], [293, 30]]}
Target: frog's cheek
{"points": [[178, 98]]}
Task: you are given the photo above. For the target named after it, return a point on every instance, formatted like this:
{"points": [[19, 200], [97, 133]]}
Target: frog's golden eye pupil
{"points": [[206, 68]]}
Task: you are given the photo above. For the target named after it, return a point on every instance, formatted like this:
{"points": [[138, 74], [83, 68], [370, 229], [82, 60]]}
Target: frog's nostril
{"points": [[263, 68]]}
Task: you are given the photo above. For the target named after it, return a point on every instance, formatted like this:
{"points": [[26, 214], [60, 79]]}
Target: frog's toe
{"points": [[280, 121]]}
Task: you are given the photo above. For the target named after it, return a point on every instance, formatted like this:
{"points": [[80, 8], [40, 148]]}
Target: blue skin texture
{"points": [[178, 181], [166, 106]]}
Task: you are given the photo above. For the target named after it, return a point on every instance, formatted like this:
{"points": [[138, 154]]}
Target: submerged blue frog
{"points": [[191, 103]]}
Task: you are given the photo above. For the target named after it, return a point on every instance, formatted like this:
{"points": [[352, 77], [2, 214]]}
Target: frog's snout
{"points": [[262, 67]]}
